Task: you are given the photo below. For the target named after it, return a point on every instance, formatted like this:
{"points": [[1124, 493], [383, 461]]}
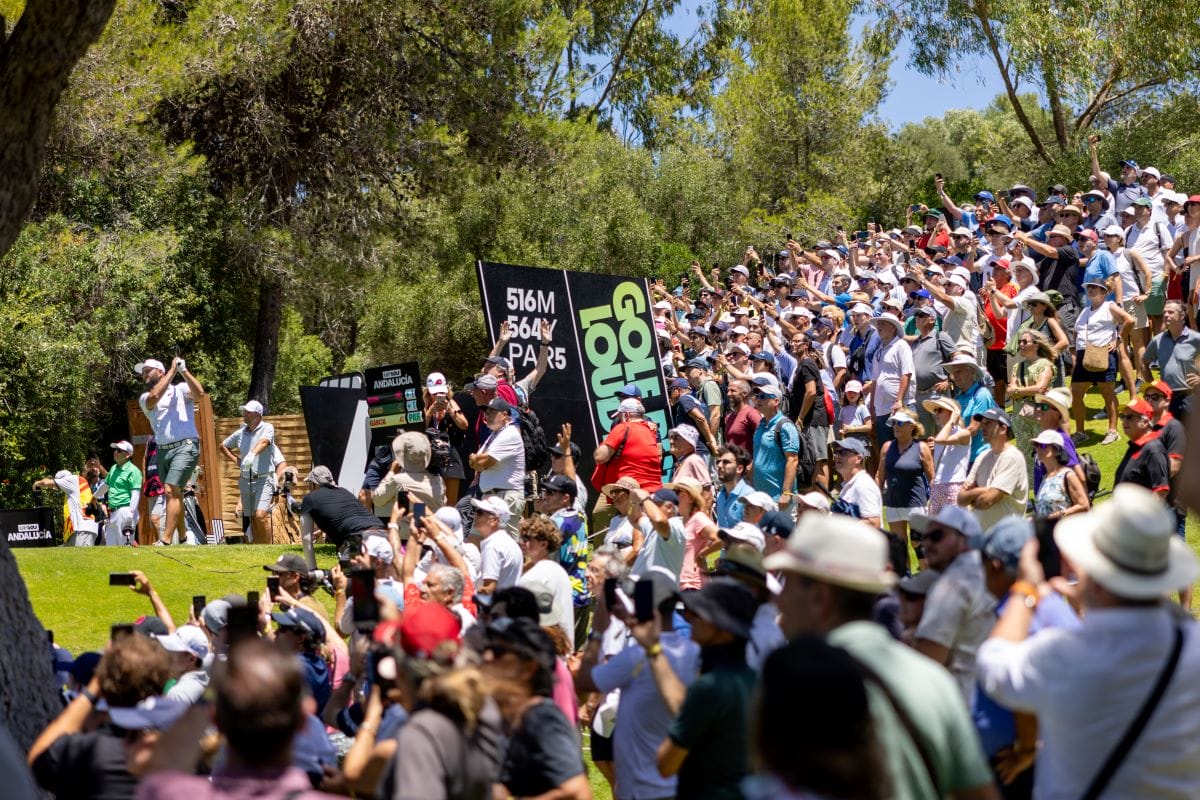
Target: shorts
{"points": [[1138, 312], [996, 362], [818, 438], [1079, 374], [256, 494], [158, 505], [602, 747], [894, 514], [1157, 298], [176, 464]]}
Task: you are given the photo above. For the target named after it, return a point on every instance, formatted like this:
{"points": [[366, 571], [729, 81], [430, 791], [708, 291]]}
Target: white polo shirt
{"points": [[174, 417], [508, 472]]}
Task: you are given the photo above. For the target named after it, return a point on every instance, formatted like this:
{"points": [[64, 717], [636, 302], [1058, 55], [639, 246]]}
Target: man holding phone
{"points": [[1000, 548], [644, 714]]}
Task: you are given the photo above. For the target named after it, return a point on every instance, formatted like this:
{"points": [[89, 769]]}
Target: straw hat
{"points": [[1059, 398], [1128, 545], [948, 403], [838, 550], [692, 487]]}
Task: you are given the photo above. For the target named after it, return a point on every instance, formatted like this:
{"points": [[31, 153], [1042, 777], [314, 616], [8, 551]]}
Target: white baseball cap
{"points": [[493, 505], [745, 532], [760, 500], [379, 547], [252, 406], [123, 446], [436, 383], [186, 639], [140, 367]]}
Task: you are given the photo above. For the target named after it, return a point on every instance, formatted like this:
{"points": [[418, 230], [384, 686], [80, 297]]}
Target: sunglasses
{"points": [[1043, 445], [1155, 397], [1131, 417], [935, 535]]}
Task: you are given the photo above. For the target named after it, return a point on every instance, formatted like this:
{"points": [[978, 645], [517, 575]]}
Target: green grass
{"points": [[71, 596]]}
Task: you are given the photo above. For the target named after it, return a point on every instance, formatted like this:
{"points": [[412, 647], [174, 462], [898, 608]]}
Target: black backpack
{"points": [[439, 451], [537, 452], [1091, 474]]}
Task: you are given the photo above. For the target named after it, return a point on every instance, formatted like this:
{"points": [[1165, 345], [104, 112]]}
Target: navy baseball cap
{"points": [[629, 390], [665, 495], [698, 363], [996, 415], [991, 198], [763, 355], [562, 484], [776, 523]]}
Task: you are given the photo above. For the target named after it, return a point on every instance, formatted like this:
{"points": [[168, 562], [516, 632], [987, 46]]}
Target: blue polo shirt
{"points": [[773, 440], [729, 510], [1098, 268], [975, 400]]}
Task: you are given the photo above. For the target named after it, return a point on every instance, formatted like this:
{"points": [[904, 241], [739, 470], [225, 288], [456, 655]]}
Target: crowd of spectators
{"points": [[866, 560]]}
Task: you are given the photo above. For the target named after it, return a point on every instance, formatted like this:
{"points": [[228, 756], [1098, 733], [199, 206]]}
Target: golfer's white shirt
{"points": [[1087, 685]]}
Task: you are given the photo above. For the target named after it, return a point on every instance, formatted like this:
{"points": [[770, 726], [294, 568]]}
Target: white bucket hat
{"points": [[839, 550], [1128, 545], [1060, 399]]}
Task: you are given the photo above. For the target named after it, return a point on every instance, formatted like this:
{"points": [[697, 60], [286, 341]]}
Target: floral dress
{"points": [[1053, 495]]}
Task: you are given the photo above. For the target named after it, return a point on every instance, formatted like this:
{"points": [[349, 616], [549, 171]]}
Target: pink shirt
{"points": [[564, 692], [690, 576], [273, 784], [695, 467]]}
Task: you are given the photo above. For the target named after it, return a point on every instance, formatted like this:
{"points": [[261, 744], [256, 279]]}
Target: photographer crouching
{"points": [[338, 513]]}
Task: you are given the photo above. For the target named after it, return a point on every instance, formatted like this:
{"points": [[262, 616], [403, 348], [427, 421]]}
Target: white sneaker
{"points": [[1109, 437], [161, 543], [1100, 415]]}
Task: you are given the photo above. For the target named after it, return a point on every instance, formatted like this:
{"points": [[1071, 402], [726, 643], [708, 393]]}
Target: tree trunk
{"points": [[29, 700], [35, 64], [266, 338]]}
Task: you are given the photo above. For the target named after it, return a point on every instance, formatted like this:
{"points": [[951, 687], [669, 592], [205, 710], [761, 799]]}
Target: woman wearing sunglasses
{"points": [[1032, 372], [1061, 493]]}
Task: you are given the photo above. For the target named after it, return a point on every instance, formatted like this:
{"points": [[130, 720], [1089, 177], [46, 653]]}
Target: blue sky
{"points": [[911, 96]]}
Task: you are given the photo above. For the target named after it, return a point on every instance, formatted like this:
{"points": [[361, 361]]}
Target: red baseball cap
{"points": [[1161, 386], [1141, 408], [427, 627]]}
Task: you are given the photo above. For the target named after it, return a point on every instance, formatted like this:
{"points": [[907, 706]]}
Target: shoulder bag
{"points": [[1121, 751]]}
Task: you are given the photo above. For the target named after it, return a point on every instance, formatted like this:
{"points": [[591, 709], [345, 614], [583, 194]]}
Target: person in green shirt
{"points": [[124, 482], [834, 569], [707, 744]]}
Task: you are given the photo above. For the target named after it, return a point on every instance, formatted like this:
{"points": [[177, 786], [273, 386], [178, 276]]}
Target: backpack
{"points": [[439, 451], [537, 452], [1091, 474]]}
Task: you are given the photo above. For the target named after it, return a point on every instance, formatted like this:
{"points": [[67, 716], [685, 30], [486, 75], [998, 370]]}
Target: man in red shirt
{"points": [[742, 418], [631, 449]]}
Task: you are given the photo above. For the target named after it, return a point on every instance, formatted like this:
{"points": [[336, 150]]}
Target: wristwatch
{"points": [[654, 650], [1027, 594]]}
